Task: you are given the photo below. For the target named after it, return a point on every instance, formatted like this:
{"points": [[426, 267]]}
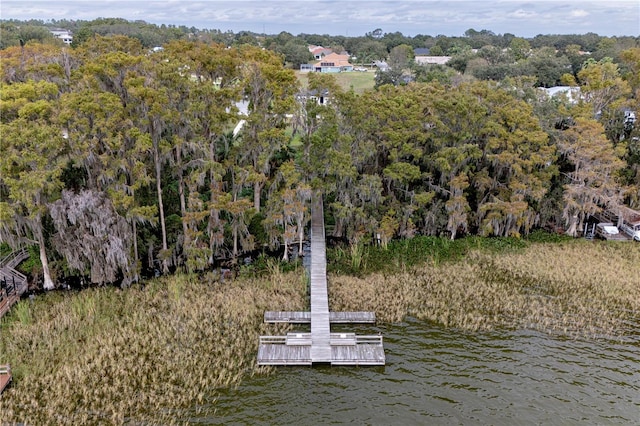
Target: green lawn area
{"points": [[360, 81]]}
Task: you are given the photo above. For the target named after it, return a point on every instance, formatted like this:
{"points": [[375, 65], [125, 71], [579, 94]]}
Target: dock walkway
{"points": [[320, 346]]}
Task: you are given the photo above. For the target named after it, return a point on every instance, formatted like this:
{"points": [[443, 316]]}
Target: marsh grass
{"points": [[573, 288], [398, 255], [22, 311], [158, 354], [357, 256], [141, 356]]}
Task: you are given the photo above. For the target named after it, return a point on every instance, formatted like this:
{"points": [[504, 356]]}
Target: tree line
{"points": [[117, 159], [473, 46]]}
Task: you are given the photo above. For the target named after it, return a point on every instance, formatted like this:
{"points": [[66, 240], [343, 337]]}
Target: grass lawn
{"points": [[360, 81]]}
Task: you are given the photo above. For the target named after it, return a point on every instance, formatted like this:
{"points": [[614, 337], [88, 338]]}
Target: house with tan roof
{"points": [[333, 63]]}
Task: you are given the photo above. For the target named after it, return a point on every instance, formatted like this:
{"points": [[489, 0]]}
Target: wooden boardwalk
{"points": [[320, 346]]}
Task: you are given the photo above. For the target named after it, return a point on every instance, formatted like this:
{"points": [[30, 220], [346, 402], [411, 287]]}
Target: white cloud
{"points": [[523, 14], [579, 13], [355, 17]]}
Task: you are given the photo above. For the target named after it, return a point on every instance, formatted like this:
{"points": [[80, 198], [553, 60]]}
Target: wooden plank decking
{"points": [[320, 326], [320, 346]]}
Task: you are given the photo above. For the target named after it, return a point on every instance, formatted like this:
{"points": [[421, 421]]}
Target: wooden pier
{"points": [[320, 346]]}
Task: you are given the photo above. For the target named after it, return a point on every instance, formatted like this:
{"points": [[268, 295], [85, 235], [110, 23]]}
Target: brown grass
{"points": [[105, 356], [573, 289]]}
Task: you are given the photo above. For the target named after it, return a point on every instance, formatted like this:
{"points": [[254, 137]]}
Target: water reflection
{"points": [[440, 376]]}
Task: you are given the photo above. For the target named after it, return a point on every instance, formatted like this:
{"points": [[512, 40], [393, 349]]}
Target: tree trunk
{"points": [[257, 187], [183, 203], [235, 240], [216, 235], [300, 236], [285, 256], [573, 226], [48, 282], [165, 265], [134, 228]]}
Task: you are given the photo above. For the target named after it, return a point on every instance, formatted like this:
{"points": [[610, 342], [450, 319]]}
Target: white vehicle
{"points": [[632, 230]]}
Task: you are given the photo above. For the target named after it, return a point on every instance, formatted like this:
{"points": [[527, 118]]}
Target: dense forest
{"points": [[118, 158]]}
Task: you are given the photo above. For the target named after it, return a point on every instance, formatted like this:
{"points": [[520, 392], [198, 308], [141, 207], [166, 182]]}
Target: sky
{"points": [[354, 17]]}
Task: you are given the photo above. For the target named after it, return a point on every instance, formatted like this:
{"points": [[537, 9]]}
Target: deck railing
{"points": [[336, 339], [369, 340], [273, 340], [14, 258], [9, 276]]}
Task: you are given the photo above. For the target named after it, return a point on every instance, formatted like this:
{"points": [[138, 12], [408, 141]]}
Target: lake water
{"points": [[437, 376]]}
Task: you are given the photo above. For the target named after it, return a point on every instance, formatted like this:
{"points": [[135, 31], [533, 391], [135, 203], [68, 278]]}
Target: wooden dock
{"points": [[320, 346], [5, 376], [304, 317]]}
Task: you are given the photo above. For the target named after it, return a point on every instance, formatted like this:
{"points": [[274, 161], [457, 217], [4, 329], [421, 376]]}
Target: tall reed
{"points": [[106, 356], [573, 288]]}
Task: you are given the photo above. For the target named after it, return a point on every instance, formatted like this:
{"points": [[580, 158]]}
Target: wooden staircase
{"points": [[13, 284]]}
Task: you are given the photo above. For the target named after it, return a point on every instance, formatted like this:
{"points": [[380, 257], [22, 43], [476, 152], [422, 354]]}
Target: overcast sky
{"points": [[354, 17]]}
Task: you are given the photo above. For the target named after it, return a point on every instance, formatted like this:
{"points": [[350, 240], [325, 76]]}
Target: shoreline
{"points": [[107, 355]]}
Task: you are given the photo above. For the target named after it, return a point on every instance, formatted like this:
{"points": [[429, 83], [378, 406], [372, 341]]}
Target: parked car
{"points": [[632, 230]]}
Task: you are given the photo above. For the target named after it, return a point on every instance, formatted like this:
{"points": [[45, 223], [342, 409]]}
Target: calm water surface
{"points": [[438, 376]]}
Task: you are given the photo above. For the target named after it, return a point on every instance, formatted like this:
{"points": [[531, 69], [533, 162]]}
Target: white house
{"points": [[64, 35], [571, 92]]}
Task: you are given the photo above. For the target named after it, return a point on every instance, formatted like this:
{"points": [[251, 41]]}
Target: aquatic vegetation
{"points": [[573, 288], [159, 353], [398, 255], [107, 356]]}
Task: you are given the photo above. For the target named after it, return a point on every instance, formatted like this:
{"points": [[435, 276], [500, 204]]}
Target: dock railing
{"points": [[369, 340], [273, 340], [320, 346], [336, 339]]}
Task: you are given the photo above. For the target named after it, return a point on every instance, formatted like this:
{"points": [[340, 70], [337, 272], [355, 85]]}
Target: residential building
{"points": [[319, 52], [333, 63], [422, 56], [64, 35], [425, 60], [571, 92], [306, 67], [321, 97]]}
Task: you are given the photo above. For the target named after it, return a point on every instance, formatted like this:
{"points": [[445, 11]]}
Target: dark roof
{"points": [[422, 51]]}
